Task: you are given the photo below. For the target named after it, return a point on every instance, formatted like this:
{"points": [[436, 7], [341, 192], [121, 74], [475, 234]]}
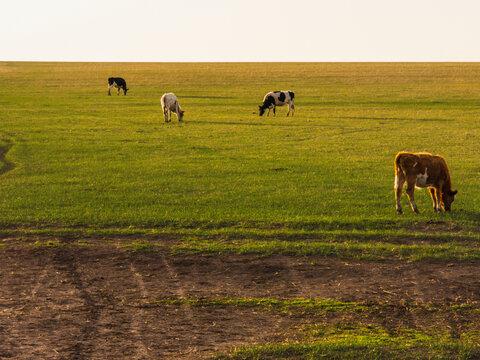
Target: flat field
{"points": [[231, 235]]}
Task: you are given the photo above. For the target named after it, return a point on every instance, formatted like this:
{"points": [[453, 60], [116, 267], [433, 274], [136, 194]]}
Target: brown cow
{"points": [[423, 170]]}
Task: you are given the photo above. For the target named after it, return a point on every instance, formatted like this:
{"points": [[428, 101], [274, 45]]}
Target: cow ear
{"points": [[454, 192]]}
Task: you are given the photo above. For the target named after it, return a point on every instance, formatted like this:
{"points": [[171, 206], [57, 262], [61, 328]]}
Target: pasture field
{"points": [[234, 236]]}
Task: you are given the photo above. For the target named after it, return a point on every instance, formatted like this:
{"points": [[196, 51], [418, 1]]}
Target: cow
{"points": [[170, 104], [423, 170], [277, 98], [119, 83]]}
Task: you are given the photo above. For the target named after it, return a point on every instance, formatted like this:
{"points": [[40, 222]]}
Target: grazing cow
{"points": [[277, 98], [119, 83], [423, 170], [170, 104]]}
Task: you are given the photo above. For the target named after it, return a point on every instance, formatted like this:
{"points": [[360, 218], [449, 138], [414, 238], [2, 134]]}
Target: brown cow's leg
{"points": [[434, 199], [439, 204], [433, 194], [410, 194], [399, 181]]}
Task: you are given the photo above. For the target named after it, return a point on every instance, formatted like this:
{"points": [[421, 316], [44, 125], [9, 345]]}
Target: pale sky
{"points": [[246, 30]]}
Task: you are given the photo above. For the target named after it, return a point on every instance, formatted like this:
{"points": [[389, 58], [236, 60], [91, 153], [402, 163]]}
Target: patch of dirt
{"points": [[96, 301]]}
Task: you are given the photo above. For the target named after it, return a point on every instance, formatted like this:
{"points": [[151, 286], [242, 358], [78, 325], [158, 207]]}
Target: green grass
{"points": [[342, 338], [80, 159], [371, 345], [372, 249], [139, 246], [49, 243], [319, 306], [277, 305], [345, 250]]}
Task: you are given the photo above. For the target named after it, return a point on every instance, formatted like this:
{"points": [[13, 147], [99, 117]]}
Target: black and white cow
{"points": [[277, 98], [119, 83]]}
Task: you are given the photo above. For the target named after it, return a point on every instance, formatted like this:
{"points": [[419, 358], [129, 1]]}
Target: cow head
{"points": [[261, 110], [447, 199], [125, 91], [180, 115]]}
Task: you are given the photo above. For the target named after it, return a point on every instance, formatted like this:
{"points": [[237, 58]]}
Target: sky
{"points": [[247, 30]]}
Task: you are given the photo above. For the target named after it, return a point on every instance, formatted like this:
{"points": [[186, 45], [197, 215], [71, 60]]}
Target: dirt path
{"points": [[97, 301]]}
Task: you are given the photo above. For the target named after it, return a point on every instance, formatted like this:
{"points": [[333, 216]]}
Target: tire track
{"points": [[15, 327], [30, 297], [84, 347], [192, 348], [296, 281], [37, 286], [136, 327]]}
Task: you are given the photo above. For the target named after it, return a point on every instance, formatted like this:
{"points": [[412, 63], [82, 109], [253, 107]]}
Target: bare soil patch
{"points": [[97, 301]]}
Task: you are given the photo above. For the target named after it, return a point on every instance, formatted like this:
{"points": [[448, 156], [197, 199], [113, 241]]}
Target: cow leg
{"points": [[399, 181], [435, 194], [165, 114], [289, 108], [109, 88], [274, 113], [268, 113], [439, 204], [410, 194], [293, 108], [177, 111], [434, 198], [118, 92]]}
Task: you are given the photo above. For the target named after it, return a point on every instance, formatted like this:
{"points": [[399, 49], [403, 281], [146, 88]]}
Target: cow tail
{"points": [[397, 163]]}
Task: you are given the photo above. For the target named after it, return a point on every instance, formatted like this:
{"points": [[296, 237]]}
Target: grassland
{"points": [[76, 163], [79, 158]]}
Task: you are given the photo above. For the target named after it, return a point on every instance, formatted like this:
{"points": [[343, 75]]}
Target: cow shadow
{"points": [[5, 165], [205, 97], [259, 124], [392, 118], [468, 214]]}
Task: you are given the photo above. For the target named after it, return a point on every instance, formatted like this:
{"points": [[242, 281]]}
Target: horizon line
{"points": [[248, 61]]}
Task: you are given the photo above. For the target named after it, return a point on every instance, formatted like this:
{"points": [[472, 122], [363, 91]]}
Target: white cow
{"points": [[170, 104]]}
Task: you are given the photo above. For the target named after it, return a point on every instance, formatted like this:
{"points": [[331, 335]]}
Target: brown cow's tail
{"points": [[397, 163]]}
